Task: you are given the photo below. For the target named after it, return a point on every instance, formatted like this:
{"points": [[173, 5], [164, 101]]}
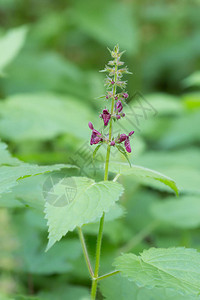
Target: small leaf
{"points": [[174, 268], [123, 151], [83, 202], [95, 151], [141, 172]]}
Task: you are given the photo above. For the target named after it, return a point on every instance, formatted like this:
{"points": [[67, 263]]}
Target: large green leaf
{"points": [[175, 268], [9, 175], [141, 173], [43, 116], [10, 45], [120, 288], [87, 202], [183, 212]]}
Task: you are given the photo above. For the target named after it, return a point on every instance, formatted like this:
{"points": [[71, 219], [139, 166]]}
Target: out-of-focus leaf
{"points": [[140, 172], [174, 268], [10, 45], [109, 22], [71, 292], [183, 130], [192, 101], [42, 116], [192, 80], [87, 202], [183, 212]]}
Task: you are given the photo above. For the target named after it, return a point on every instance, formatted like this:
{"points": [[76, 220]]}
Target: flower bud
{"points": [[90, 126], [112, 143], [125, 95], [130, 133], [118, 117]]}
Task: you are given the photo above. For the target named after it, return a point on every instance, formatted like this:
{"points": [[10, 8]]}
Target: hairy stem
{"points": [[100, 234], [85, 252]]}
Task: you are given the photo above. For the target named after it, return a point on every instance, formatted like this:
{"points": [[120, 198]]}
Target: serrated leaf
{"points": [[174, 268], [88, 202], [10, 45], [120, 288], [9, 175], [182, 213], [141, 172]]}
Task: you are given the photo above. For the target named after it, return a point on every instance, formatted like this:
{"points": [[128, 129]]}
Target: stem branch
{"points": [[85, 252]]}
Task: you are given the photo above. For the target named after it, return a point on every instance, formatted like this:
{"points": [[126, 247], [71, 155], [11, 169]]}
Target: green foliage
{"points": [[120, 288], [182, 213], [10, 45], [41, 117], [89, 202], [140, 172], [175, 268]]}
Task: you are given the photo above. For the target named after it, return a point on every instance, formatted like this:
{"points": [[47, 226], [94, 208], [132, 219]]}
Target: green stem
{"points": [[100, 235], [108, 275], [85, 252]]}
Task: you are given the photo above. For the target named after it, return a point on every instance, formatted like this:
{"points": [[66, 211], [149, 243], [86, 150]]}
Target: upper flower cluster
{"points": [[117, 95]]}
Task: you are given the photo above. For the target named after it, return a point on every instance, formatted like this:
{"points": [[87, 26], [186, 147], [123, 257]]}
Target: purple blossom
{"points": [[112, 82], [118, 117], [105, 116], [125, 95], [125, 138], [119, 106], [96, 136]]}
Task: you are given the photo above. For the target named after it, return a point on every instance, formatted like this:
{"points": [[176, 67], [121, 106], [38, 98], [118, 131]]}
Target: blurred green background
{"points": [[50, 56]]}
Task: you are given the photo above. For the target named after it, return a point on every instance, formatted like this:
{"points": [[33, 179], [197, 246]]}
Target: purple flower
{"points": [[125, 95], [119, 106], [122, 138], [96, 136], [112, 82], [112, 143], [105, 116], [125, 138]]}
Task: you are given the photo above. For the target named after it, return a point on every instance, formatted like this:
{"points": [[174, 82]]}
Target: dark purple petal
{"points": [[119, 106], [90, 126], [130, 133], [127, 145], [96, 132], [122, 138], [125, 95], [118, 117], [106, 116]]}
